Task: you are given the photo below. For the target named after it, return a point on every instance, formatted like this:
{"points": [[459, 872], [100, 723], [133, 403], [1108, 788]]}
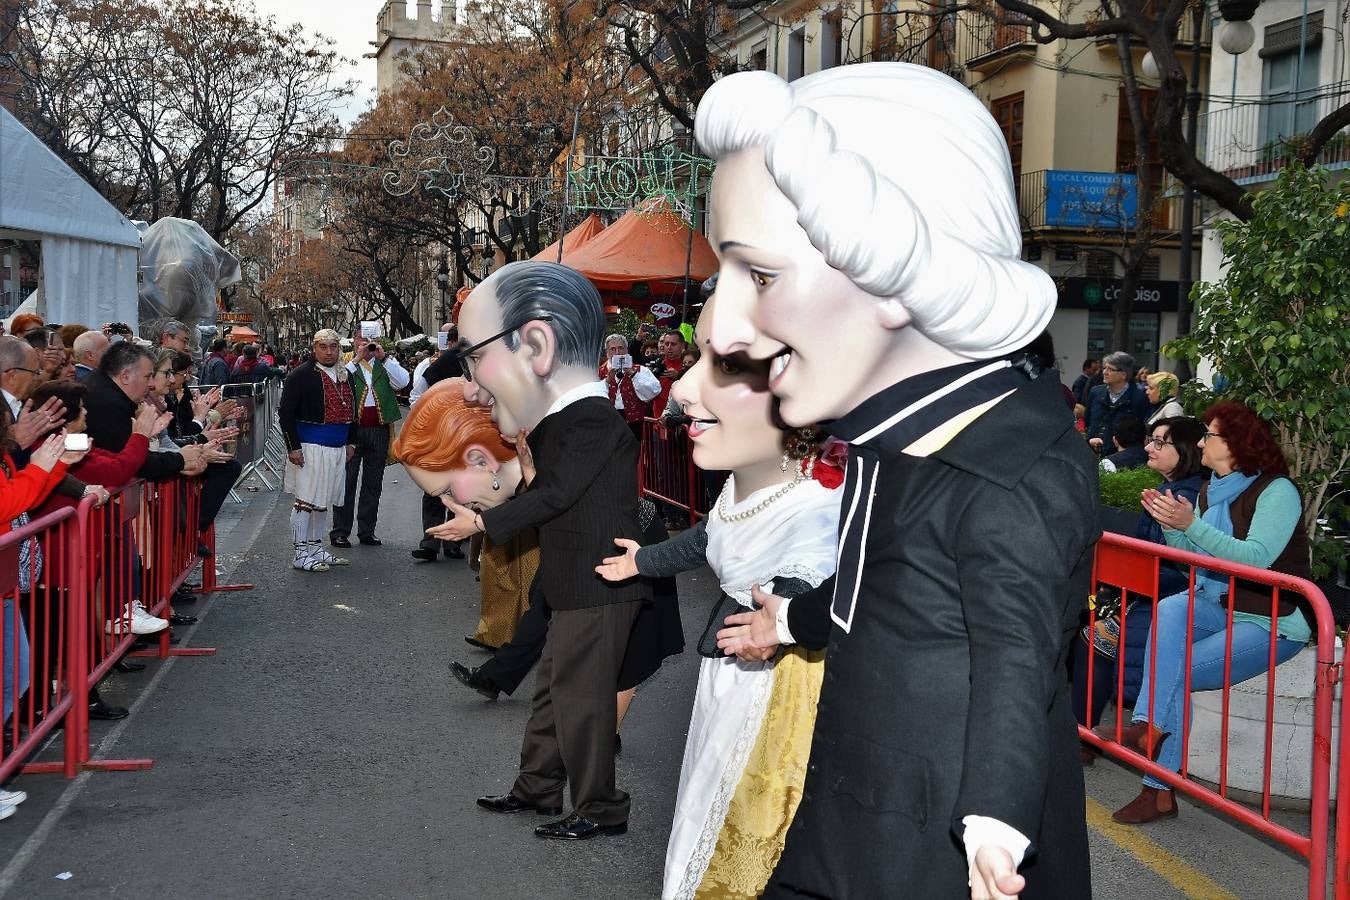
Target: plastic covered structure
{"points": [[182, 268]]}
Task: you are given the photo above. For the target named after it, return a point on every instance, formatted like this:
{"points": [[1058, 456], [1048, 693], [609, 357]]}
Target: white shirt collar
{"points": [[15, 407], [580, 392]]}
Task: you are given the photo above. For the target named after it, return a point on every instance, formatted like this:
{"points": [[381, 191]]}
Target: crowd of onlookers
{"points": [[1223, 490], [87, 411]]}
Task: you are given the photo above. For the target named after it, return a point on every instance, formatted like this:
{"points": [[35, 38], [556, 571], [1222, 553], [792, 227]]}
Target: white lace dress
{"points": [[793, 537]]}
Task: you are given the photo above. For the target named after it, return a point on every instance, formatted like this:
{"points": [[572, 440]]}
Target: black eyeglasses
{"points": [[23, 369], [463, 355], [1209, 434], [1159, 443]]}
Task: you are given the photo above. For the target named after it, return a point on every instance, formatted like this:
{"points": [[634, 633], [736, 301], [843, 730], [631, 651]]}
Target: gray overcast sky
{"points": [[349, 22]]}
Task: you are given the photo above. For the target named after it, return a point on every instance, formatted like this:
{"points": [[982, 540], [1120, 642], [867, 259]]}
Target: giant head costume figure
{"points": [[870, 249], [451, 448], [867, 230], [528, 334]]}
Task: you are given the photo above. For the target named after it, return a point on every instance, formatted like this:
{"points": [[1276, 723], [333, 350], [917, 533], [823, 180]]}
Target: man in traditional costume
{"points": [[374, 377], [318, 418]]}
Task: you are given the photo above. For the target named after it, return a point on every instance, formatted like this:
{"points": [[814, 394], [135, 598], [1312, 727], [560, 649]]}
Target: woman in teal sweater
{"points": [[1249, 513]]}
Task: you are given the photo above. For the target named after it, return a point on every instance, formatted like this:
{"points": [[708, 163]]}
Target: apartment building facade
{"points": [[1272, 81]]}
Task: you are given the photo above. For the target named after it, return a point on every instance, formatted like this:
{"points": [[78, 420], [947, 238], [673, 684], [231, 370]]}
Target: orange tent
{"points": [[589, 228], [650, 244], [243, 333]]}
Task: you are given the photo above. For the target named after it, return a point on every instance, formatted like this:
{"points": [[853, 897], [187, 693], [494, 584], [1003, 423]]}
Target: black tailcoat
{"points": [[947, 696]]}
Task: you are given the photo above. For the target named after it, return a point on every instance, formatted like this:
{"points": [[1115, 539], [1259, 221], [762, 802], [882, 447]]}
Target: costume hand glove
{"points": [[993, 875], [753, 635], [620, 568]]}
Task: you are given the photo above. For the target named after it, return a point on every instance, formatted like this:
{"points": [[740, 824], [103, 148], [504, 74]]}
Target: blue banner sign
{"points": [[1100, 200]]}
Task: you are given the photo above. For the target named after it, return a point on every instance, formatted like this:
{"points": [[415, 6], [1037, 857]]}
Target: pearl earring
{"points": [[784, 465]]}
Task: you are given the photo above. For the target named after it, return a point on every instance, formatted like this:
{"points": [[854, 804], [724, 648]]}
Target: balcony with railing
{"points": [[1251, 142], [950, 42]]}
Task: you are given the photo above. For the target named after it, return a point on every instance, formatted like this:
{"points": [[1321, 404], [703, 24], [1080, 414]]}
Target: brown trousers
{"points": [[570, 735]]}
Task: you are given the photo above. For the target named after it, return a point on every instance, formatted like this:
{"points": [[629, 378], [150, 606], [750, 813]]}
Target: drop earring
{"points": [[495, 485], [784, 465]]}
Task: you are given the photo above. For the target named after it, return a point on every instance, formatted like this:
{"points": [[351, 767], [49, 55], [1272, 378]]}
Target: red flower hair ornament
{"points": [[828, 468]]}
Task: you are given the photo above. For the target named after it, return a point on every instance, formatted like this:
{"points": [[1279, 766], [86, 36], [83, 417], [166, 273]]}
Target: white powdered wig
{"points": [[902, 181]]}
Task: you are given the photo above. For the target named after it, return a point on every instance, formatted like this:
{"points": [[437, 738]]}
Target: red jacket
{"points": [[24, 489], [112, 470]]}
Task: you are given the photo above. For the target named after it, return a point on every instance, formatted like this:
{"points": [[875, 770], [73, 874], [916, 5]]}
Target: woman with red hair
{"points": [[1249, 512]]}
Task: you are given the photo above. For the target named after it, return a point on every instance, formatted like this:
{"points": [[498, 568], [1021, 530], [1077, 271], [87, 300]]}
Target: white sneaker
{"points": [[144, 623], [7, 811], [12, 798]]}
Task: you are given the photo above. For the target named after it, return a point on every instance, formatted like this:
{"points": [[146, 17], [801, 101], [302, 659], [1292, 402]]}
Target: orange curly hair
{"points": [[441, 427]]}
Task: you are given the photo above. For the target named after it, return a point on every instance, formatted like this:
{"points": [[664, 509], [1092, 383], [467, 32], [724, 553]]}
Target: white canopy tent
{"points": [[89, 249]]}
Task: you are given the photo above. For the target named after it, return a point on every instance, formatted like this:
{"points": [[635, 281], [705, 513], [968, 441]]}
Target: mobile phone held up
{"points": [[78, 443]]}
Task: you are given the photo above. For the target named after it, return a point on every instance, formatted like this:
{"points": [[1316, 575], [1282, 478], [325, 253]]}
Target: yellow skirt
{"points": [[766, 798], [506, 572]]}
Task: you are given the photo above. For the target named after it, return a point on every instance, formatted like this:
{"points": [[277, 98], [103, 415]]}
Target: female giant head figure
{"points": [[867, 230], [451, 448]]}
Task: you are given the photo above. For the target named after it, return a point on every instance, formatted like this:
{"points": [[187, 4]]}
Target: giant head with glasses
{"points": [[528, 334]]}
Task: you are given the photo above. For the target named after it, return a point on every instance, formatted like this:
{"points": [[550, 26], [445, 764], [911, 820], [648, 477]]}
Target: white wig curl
{"points": [[902, 181]]}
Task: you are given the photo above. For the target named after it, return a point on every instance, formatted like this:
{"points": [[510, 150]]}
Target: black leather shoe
{"points": [[470, 678], [340, 540], [126, 666], [475, 642], [575, 828], [204, 551], [180, 619], [370, 540], [424, 555], [104, 711], [182, 597], [454, 551], [510, 803], [618, 745]]}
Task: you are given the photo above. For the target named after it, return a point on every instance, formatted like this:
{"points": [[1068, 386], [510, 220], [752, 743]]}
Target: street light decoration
{"points": [[441, 155], [631, 182]]}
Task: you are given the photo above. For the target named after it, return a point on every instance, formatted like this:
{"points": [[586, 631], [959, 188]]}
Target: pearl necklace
{"points": [[802, 475]]}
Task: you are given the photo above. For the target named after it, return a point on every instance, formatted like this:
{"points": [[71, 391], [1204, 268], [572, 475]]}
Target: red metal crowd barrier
{"points": [[1134, 566], [666, 470], [68, 612], [667, 473]]}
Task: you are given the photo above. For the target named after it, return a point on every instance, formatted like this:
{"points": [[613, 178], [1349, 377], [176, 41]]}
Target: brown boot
{"points": [[1135, 737], [1151, 804]]}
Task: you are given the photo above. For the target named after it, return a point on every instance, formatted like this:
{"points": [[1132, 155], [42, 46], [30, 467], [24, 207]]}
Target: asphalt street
{"points": [[325, 752]]}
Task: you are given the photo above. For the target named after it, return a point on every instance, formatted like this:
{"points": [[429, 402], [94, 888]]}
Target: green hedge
{"points": [[1122, 489]]}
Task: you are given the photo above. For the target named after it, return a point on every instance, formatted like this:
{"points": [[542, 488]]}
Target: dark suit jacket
{"points": [[948, 696], [110, 412], [584, 496]]}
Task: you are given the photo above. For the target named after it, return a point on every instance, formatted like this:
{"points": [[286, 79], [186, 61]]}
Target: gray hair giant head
{"points": [[122, 356], [543, 290]]}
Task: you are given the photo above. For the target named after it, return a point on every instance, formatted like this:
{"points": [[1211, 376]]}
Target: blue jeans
{"points": [[16, 639], [1251, 653]]}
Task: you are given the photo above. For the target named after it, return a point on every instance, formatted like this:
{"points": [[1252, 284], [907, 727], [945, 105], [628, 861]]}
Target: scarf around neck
{"points": [[1223, 490]]}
